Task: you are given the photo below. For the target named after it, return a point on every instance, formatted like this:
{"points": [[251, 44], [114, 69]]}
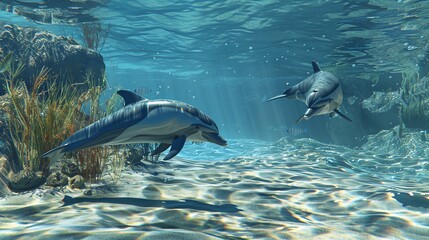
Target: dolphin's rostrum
{"points": [[168, 122], [321, 92]]}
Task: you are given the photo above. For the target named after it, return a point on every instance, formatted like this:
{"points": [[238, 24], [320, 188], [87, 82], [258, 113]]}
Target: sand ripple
{"points": [[287, 190]]}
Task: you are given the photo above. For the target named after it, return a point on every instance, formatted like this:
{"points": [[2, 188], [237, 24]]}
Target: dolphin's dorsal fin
{"points": [[130, 97], [316, 67]]}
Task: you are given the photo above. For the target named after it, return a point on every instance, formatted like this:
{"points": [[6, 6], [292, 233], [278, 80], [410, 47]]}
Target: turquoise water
{"points": [[227, 58], [239, 53]]}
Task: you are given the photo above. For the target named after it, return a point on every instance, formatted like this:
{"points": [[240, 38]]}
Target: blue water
{"points": [[227, 57], [239, 53], [230, 53]]}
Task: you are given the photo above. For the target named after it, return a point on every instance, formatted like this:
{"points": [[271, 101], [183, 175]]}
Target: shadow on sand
{"points": [[169, 204]]}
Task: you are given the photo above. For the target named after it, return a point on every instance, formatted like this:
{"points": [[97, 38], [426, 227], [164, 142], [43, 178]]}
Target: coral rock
{"points": [[4, 172], [77, 182], [37, 48], [70, 169], [380, 111], [25, 180], [57, 179]]}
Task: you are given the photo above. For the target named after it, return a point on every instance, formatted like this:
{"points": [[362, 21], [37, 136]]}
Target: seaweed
{"points": [[36, 122], [40, 119]]}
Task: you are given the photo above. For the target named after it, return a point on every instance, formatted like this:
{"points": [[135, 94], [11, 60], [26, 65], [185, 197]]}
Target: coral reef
{"points": [[57, 179], [65, 58], [70, 169], [380, 111], [76, 182], [38, 120], [415, 101], [401, 142], [26, 179]]}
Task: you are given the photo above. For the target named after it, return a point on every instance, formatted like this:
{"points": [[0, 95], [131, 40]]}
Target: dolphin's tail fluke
{"points": [[54, 154]]}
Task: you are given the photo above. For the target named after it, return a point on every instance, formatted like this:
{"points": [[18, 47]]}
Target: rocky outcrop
{"points": [[25, 180], [399, 141], [4, 180], [381, 111], [57, 179], [70, 169], [36, 48], [76, 182]]}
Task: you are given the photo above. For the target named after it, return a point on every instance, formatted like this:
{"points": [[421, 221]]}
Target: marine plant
{"points": [[91, 162], [37, 120], [40, 119]]}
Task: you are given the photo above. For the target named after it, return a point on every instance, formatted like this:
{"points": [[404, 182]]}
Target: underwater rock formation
{"points": [[36, 48], [25, 180], [415, 98], [57, 179], [70, 169], [4, 172], [381, 111], [402, 142], [76, 182]]}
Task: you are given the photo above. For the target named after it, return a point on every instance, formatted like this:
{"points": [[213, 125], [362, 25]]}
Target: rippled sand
{"points": [[286, 190]]}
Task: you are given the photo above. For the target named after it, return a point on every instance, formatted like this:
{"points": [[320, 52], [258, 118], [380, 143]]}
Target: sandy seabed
{"points": [[286, 190]]}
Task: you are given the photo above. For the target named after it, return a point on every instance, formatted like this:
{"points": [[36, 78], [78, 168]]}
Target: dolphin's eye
{"points": [[315, 90]]}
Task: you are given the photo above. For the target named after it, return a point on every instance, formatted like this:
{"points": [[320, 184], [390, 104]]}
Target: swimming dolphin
{"points": [[321, 92], [168, 122]]}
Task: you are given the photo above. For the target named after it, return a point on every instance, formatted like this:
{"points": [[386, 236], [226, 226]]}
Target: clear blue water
{"points": [[239, 53], [228, 57]]}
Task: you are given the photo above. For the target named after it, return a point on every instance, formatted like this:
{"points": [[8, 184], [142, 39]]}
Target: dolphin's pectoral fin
{"points": [[288, 93], [300, 118], [130, 97], [342, 115], [176, 146], [161, 148], [276, 97]]}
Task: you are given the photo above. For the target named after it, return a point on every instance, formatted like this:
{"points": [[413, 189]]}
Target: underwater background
{"points": [[324, 178]]}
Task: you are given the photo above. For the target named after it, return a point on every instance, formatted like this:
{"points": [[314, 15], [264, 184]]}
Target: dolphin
{"points": [[321, 92], [168, 122]]}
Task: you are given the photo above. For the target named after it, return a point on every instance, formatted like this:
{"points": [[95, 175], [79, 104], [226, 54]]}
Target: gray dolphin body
{"points": [[321, 92], [168, 122]]}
